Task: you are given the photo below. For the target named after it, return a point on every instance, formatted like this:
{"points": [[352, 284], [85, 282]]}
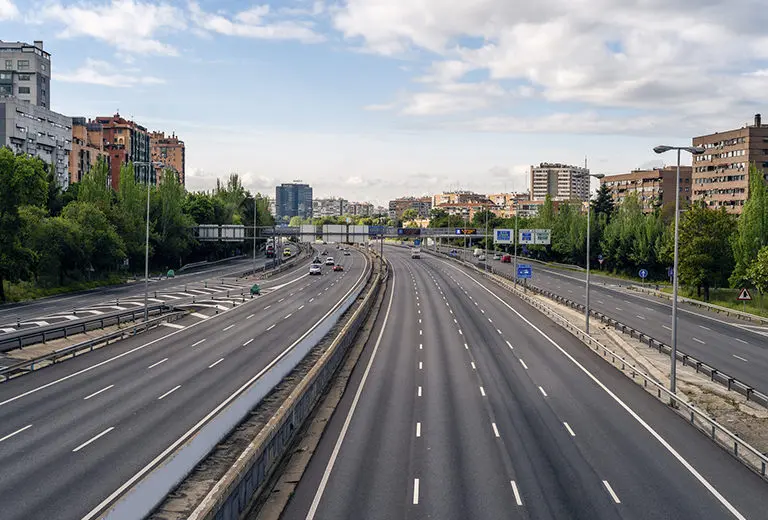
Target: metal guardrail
{"points": [[73, 350], [741, 450], [24, 338]]}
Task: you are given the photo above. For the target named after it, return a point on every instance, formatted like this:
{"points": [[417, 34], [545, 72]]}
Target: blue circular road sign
{"points": [[643, 273]]}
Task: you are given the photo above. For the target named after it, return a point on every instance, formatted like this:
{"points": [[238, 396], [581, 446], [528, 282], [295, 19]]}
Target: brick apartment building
{"points": [[126, 141], [168, 152], [87, 147], [422, 205], [654, 188], [721, 174]]}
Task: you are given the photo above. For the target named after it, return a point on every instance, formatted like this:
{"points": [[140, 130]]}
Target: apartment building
{"points": [[293, 200], [168, 152], [361, 209], [559, 181], [531, 208], [25, 72], [125, 142], [467, 210], [329, 207], [653, 188], [422, 205], [87, 147], [457, 197], [721, 174]]}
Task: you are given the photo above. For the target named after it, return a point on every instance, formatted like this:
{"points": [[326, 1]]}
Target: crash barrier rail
{"points": [[206, 263], [24, 338], [152, 484], [738, 448], [30, 365], [746, 316], [245, 480]]}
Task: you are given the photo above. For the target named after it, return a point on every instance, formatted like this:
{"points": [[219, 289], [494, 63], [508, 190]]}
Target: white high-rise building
{"points": [[560, 182]]}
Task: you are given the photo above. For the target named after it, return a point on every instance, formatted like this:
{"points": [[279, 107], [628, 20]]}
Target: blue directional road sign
{"points": [[524, 271], [416, 241], [643, 274]]}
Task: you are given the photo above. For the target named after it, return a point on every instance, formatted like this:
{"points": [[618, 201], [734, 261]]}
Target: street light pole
{"points": [[514, 241], [693, 150], [486, 239], [146, 260], [254, 235]]}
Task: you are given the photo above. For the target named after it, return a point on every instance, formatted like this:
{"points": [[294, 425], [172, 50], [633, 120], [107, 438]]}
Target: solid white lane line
{"points": [[197, 343], [567, 427], [543, 392], [86, 443], [169, 392], [523, 363], [98, 392], [155, 364], [482, 391], [415, 492], [15, 433], [698, 341], [227, 328], [247, 342], [666, 327], [271, 326], [742, 341], [495, 430], [612, 493], [418, 429], [249, 317], [510, 345], [741, 358], [215, 363], [172, 325], [288, 316], [687, 465], [473, 365], [516, 492], [337, 447], [419, 391], [421, 365]]}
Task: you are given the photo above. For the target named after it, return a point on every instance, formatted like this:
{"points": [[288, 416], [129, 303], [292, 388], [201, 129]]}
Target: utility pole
{"points": [[146, 259]]}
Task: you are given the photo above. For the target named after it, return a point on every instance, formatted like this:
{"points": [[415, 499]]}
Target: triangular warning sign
{"points": [[744, 295]]}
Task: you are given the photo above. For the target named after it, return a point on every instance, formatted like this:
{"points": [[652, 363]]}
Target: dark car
{"points": [[338, 267]]}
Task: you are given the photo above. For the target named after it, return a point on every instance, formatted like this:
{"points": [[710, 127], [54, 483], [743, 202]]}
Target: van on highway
{"points": [[416, 253]]}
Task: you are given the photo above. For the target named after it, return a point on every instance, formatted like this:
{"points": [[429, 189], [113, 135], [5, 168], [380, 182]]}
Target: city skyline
{"points": [[376, 110]]}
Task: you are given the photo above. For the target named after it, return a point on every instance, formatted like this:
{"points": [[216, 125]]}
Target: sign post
{"points": [[524, 272], [744, 297], [600, 259], [643, 274]]}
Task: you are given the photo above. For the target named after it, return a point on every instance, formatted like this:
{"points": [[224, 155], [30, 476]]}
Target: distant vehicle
{"points": [[506, 259], [497, 256], [270, 251], [453, 252], [325, 252], [286, 252], [315, 269], [338, 267], [416, 253], [477, 251], [255, 289], [317, 260], [347, 253], [329, 261], [481, 258]]}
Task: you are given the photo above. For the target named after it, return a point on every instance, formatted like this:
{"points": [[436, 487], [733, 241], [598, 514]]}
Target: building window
{"points": [[6, 90], [42, 66], [24, 77], [22, 64], [23, 90], [8, 64], [5, 75]]}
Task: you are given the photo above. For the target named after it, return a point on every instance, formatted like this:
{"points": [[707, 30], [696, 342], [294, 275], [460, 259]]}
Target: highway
{"points": [[735, 348], [66, 307], [468, 404], [74, 433]]}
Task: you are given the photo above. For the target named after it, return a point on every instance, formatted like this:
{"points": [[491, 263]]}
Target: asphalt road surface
{"points": [[468, 404], [73, 433]]}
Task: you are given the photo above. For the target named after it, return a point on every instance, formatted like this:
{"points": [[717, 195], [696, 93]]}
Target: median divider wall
{"points": [[145, 491], [232, 495]]}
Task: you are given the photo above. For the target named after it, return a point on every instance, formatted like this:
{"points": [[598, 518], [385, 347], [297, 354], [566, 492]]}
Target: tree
{"points": [[705, 253], [410, 214], [603, 203], [295, 221], [758, 271], [95, 189], [22, 182], [200, 207], [129, 214], [57, 243], [172, 227], [752, 229], [101, 245], [55, 195]]}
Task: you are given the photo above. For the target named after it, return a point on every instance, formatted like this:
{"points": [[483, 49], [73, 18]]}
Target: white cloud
{"points": [[8, 11], [95, 72], [660, 58], [256, 22], [128, 25]]}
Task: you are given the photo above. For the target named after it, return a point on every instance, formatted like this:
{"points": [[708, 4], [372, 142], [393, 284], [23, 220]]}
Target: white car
{"points": [[497, 256], [315, 269], [329, 261]]}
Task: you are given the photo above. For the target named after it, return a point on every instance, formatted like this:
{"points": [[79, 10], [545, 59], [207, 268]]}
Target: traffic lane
{"points": [[212, 337], [550, 476], [189, 386], [739, 352], [368, 474], [465, 468], [742, 488]]}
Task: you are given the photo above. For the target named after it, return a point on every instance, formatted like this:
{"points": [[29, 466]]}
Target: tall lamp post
{"points": [[693, 150], [146, 240], [589, 232], [514, 241]]}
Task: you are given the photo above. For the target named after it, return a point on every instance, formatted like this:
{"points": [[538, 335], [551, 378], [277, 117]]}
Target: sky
{"points": [[374, 99]]}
